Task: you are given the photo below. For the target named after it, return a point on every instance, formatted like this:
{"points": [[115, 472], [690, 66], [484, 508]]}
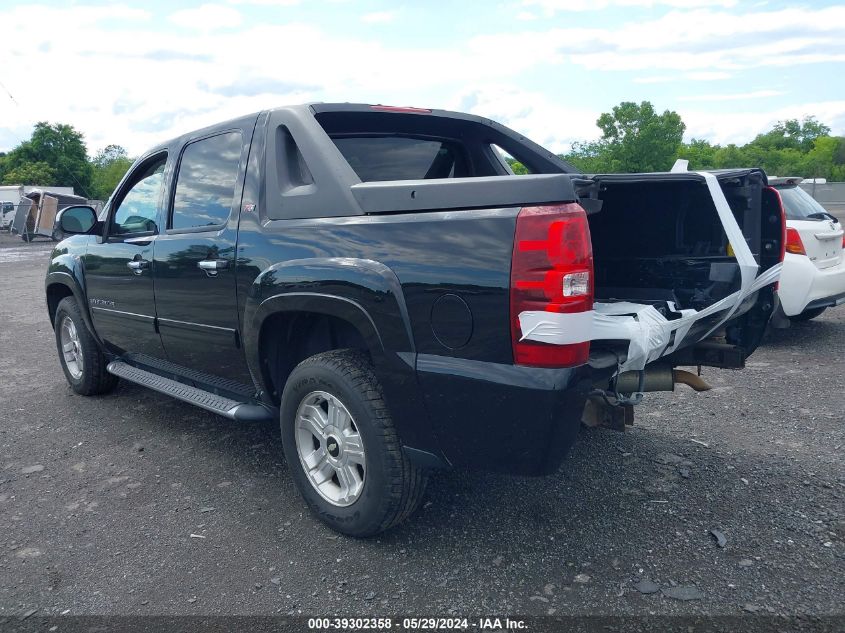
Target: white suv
{"points": [[813, 276]]}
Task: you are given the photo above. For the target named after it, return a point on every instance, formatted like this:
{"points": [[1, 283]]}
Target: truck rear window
{"points": [[402, 157]]}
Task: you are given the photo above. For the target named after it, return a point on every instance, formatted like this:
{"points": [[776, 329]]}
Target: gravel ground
{"points": [[136, 504]]}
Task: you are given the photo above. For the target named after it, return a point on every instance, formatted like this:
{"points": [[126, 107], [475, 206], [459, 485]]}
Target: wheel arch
{"points": [[362, 301], [304, 324], [63, 283]]}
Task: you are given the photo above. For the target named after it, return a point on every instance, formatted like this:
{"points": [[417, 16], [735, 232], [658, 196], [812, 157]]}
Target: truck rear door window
{"points": [[376, 158], [205, 187]]}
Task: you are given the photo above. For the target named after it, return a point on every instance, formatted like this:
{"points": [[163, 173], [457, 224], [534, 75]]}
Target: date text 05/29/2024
{"points": [[416, 624]]}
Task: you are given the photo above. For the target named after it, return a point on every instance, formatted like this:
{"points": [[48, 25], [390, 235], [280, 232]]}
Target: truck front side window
{"points": [[137, 212]]}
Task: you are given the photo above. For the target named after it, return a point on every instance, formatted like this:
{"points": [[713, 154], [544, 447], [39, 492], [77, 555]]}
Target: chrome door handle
{"points": [[144, 240], [138, 266], [212, 266]]}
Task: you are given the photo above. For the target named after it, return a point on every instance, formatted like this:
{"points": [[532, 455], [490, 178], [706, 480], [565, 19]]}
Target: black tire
{"points": [[806, 315], [393, 487], [94, 378]]}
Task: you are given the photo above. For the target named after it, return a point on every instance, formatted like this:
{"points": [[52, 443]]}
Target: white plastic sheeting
{"points": [[650, 334]]}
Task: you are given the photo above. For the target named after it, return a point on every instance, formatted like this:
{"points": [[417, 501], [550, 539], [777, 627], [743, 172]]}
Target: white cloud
{"points": [[696, 76], [742, 96], [267, 3], [152, 85], [553, 6], [659, 79], [558, 125], [702, 40], [379, 17], [741, 126], [709, 76], [551, 124], [208, 17]]}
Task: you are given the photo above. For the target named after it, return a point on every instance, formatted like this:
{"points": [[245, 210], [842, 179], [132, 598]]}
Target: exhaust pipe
{"points": [[659, 378], [691, 380], [613, 410]]}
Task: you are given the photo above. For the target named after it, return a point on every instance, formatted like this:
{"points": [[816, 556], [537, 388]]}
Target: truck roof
{"points": [[310, 110]]}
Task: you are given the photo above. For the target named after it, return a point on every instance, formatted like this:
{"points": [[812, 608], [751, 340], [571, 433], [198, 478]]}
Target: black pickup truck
{"points": [[377, 279]]}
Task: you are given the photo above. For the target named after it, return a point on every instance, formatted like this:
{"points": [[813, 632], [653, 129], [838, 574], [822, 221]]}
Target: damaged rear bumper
{"points": [[651, 333]]}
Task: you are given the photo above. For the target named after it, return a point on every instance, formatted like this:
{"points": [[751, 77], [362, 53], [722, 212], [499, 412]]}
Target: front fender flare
{"points": [[66, 270]]}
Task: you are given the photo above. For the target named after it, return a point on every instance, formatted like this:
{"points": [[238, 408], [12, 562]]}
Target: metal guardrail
{"points": [[831, 195]]}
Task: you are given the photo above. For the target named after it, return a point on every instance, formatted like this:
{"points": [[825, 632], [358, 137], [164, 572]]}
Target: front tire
{"points": [[807, 315], [81, 358], [341, 446]]}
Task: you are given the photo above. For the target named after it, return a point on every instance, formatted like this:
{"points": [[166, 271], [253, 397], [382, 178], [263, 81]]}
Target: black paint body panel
{"points": [[426, 289]]}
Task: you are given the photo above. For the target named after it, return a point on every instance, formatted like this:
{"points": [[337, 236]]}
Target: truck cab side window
{"points": [[205, 186], [508, 162], [137, 211]]}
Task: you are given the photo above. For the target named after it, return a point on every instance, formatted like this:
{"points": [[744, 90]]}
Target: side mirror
{"points": [[76, 220]]}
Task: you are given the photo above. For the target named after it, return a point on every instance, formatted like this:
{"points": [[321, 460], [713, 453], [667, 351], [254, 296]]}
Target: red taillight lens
{"points": [[794, 244], [551, 271]]}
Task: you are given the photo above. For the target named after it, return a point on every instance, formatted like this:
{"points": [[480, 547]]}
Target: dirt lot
{"points": [[135, 504]]}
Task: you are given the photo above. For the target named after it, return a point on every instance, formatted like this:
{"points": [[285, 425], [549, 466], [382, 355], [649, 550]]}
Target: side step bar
{"points": [[232, 409]]}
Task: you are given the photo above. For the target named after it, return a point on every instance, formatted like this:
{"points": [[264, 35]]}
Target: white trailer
{"points": [[11, 196]]}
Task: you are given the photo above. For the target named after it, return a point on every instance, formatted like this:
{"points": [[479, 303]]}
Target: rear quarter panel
{"points": [[394, 269]]}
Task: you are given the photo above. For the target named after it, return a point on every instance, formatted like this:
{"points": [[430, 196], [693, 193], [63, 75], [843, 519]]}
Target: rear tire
{"points": [[79, 354], [342, 449], [806, 315]]}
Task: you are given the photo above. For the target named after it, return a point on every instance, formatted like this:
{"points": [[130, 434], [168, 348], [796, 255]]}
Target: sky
{"points": [[135, 74]]}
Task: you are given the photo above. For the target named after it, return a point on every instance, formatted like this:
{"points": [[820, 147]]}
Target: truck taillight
{"points": [[794, 244], [551, 271], [782, 211]]}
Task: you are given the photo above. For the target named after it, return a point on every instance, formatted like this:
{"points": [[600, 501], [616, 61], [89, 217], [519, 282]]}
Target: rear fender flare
{"points": [[366, 294], [363, 292]]}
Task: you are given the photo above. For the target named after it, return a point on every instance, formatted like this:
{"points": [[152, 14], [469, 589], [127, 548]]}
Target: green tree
{"points": [[730, 155], [29, 174], [839, 154], [636, 138], [639, 139], [590, 157], [792, 134], [825, 160], [516, 167], [700, 154], [109, 166], [60, 147]]}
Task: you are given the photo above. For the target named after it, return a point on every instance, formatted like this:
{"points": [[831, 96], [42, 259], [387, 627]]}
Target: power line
{"points": [[10, 94], [59, 163]]}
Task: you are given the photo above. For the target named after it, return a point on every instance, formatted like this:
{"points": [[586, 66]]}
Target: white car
{"points": [[813, 276], [7, 214]]}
